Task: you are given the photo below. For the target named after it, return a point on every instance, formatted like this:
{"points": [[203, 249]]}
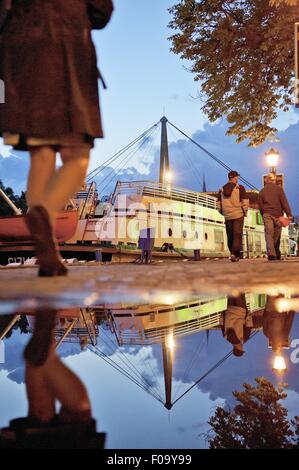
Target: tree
{"points": [[242, 54], [19, 201], [258, 421]]}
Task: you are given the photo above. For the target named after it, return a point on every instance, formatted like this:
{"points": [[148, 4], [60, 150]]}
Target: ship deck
{"points": [[93, 284]]}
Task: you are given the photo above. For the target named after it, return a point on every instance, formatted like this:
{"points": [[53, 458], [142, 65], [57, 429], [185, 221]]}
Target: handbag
{"points": [[5, 7], [285, 221], [99, 12]]}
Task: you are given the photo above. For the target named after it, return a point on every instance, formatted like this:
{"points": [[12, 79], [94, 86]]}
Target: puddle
{"points": [[165, 366]]}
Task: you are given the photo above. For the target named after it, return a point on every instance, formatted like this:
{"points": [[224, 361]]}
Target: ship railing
{"points": [[89, 201], [158, 190], [75, 335], [156, 335]]}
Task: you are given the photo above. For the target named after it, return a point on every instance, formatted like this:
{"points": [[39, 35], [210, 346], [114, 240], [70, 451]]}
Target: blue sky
{"points": [[145, 79]]}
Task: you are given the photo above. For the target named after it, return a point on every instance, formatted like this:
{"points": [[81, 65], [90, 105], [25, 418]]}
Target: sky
{"points": [[145, 80]]}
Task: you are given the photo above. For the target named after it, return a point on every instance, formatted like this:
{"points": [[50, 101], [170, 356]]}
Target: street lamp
{"points": [[272, 157]]}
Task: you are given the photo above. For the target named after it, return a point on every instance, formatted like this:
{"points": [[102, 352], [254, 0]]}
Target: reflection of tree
{"points": [[258, 421], [22, 325]]}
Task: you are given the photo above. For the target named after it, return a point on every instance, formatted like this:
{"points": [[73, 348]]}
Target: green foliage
{"points": [[19, 201], [242, 54], [258, 421]]}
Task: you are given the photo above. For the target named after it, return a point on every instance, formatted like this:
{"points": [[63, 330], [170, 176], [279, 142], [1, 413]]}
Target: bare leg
{"points": [[68, 179], [42, 169], [52, 188]]}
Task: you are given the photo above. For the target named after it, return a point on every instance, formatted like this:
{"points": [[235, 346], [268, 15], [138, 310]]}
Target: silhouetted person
{"points": [[49, 67], [233, 204], [273, 203], [237, 323]]}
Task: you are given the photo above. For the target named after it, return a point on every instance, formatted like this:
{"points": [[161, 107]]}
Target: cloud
{"points": [[189, 164], [14, 168]]}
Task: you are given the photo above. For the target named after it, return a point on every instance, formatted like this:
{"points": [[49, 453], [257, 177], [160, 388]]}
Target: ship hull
{"points": [[14, 228]]}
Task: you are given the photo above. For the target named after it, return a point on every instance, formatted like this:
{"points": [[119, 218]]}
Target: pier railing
{"points": [[158, 190]]}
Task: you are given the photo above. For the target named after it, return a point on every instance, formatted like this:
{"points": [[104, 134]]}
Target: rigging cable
{"points": [[126, 160], [194, 170], [131, 366], [212, 156], [114, 157], [102, 355], [219, 363]]}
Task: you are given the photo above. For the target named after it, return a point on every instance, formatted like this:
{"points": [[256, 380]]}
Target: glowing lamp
{"points": [[272, 157]]}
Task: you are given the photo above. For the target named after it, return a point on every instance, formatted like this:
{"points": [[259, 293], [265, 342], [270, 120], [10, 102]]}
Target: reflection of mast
{"points": [[164, 155], [167, 349]]}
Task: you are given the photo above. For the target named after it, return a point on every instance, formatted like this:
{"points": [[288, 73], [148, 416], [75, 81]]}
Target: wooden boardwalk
{"points": [[161, 283]]}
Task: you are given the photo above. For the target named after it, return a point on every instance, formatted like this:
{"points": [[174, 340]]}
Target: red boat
{"points": [[14, 228]]}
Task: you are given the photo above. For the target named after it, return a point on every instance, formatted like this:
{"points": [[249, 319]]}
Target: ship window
{"points": [[206, 236], [169, 232], [184, 234]]}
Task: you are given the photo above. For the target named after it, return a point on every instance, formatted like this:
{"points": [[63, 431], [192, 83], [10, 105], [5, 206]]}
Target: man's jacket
{"points": [[233, 202], [273, 201]]}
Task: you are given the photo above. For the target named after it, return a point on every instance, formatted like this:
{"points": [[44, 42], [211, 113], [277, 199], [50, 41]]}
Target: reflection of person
{"points": [[277, 325], [48, 380], [273, 203], [237, 323], [51, 104], [233, 204]]}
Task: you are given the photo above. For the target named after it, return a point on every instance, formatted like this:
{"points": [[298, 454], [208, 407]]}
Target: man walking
{"points": [[273, 203], [233, 203]]}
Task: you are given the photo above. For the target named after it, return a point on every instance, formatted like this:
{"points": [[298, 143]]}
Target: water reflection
{"points": [[128, 338]]}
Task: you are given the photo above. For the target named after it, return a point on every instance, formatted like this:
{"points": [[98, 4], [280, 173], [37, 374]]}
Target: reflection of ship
{"points": [[72, 326], [164, 324], [117, 333], [109, 227], [152, 324]]}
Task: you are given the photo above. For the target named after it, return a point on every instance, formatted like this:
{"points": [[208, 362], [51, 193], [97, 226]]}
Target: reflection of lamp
{"points": [[170, 341], [168, 176], [279, 365], [272, 157]]}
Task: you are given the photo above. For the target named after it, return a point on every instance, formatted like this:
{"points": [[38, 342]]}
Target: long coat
{"points": [[49, 67]]}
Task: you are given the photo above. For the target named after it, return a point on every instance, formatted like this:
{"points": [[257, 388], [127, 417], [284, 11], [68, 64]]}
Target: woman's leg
{"points": [[68, 179], [52, 188], [42, 169]]}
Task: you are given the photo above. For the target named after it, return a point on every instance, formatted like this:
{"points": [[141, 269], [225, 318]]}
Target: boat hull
{"points": [[14, 228]]}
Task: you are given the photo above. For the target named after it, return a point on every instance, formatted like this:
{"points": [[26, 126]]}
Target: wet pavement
{"points": [[159, 283]]}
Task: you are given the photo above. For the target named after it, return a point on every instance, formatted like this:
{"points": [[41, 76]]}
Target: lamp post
{"points": [[272, 157]]}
